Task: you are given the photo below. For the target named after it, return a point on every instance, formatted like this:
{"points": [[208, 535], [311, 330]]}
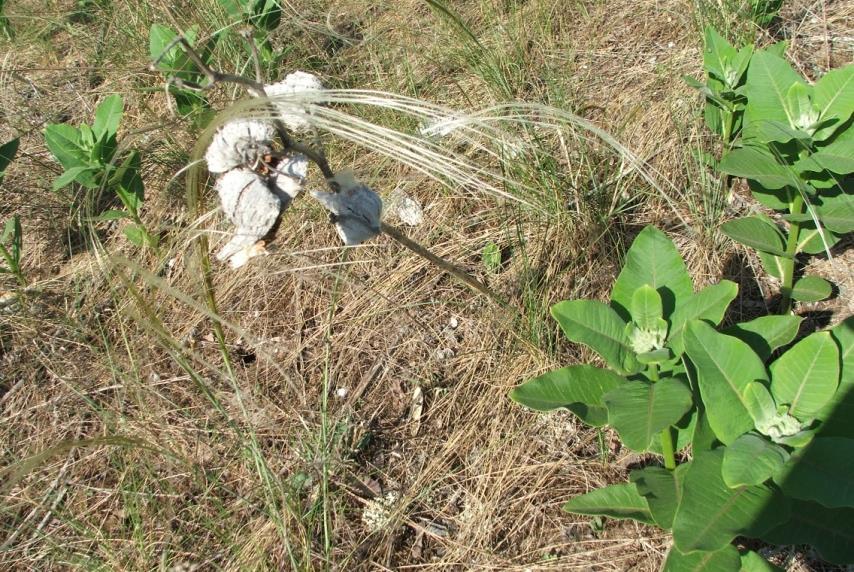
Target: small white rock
{"points": [[407, 209], [293, 115], [454, 323], [356, 207], [238, 143], [341, 392]]}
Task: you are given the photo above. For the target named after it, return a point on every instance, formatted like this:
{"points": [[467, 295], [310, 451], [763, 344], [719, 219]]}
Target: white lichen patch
{"points": [[378, 512], [253, 208], [293, 115], [242, 142], [356, 209]]}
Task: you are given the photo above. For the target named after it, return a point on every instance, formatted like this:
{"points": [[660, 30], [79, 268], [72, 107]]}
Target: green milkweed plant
{"points": [[794, 143], [753, 443], [91, 158]]}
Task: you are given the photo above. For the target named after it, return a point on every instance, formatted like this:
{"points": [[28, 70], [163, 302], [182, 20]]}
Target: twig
{"points": [[448, 267]]}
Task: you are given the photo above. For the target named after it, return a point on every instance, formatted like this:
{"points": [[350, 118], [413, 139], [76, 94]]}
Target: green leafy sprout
{"points": [[771, 457], [91, 158]]}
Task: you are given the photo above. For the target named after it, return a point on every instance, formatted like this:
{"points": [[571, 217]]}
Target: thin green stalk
{"points": [[796, 208], [667, 448]]}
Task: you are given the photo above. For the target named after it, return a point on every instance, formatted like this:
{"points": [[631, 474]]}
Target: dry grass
{"points": [[156, 447]]}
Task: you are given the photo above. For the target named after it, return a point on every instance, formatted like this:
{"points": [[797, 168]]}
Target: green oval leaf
{"points": [[646, 307], [709, 304], [811, 289], [7, 153], [834, 96], [724, 560], [751, 460], [758, 165], [756, 232], [598, 326], [107, 117], [616, 501], [823, 471], [652, 260], [578, 388], [711, 514], [662, 490], [806, 376], [829, 531], [767, 333], [753, 562], [640, 410], [725, 366]]}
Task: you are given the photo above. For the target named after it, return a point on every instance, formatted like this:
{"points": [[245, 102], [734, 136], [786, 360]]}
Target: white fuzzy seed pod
{"points": [[292, 115], [356, 207], [289, 176], [252, 207], [237, 143]]}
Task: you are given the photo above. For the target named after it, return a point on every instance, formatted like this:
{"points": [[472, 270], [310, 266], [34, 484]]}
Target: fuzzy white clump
{"points": [[407, 209], [239, 142], [297, 82], [356, 207], [252, 207], [288, 179]]}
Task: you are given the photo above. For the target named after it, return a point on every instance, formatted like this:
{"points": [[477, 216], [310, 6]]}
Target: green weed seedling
{"points": [[771, 457], [90, 157], [264, 17], [794, 143], [12, 248], [181, 71]]}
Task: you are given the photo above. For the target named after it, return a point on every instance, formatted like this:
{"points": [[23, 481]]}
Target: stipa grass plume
{"points": [[468, 151]]}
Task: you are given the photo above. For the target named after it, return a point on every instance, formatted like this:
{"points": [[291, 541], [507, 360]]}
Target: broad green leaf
{"points": [[800, 107], [64, 141], [756, 232], [8, 151], [662, 490], [813, 240], [598, 326], [811, 289], [717, 54], [773, 265], [823, 472], [725, 366], [777, 199], [759, 403], [703, 438], [838, 414], [491, 257], [110, 215], [708, 304], [107, 117], [711, 514], [779, 132], [653, 260], [829, 531], [751, 460], [769, 79], [640, 410], [615, 501], [753, 562], [71, 175], [758, 165], [836, 211], [806, 376], [578, 388], [766, 334], [724, 560], [159, 38], [646, 308], [834, 161], [139, 236], [834, 96]]}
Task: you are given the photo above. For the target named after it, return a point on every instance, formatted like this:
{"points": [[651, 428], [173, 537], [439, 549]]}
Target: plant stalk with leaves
{"points": [[762, 435]]}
